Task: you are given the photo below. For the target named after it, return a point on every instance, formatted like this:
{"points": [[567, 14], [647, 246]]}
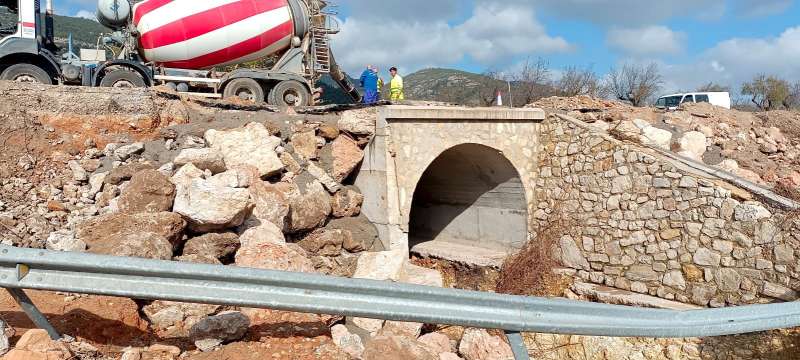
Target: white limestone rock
{"points": [[203, 159], [207, 207], [251, 145], [692, 145]]}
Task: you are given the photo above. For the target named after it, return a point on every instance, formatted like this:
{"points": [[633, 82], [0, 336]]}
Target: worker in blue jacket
{"points": [[369, 81]]}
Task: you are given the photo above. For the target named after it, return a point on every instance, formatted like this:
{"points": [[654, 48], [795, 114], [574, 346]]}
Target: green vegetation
{"points": [[84, 31]]}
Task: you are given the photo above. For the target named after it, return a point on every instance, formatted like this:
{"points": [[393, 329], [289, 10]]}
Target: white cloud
{"points": [[646, 41], [737, 60], [493, 34], [86, 14], [632, 12], [755, 8]]}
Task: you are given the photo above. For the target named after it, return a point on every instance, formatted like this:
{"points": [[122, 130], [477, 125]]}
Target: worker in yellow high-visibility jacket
{"points": [[396, 86]]}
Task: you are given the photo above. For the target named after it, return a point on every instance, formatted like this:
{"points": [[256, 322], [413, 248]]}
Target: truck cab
{"points": [[27, 49]]}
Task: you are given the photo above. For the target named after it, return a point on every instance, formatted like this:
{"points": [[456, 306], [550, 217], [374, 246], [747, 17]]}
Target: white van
{"points": [[671, 102]]}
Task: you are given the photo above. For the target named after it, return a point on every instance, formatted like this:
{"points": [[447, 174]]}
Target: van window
{"points": [[688, 99], [661, 102], [701, 98], [673, 101]]}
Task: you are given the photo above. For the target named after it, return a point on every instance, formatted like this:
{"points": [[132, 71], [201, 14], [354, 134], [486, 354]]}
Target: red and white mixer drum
{"points": [[200, 34]]}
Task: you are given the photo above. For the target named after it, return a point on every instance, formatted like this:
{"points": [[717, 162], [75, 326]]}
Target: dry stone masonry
{"points": [[651, 226]]}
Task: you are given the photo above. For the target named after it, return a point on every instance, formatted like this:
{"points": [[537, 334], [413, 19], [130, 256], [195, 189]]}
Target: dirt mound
{"points": [[763, 148]]}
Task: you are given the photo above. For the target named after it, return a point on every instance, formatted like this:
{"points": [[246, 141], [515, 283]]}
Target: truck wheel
{"points": [[26, 73], [290, 93], [122, 78], [244, 89]]}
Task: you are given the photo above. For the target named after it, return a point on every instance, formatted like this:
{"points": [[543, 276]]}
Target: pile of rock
{"points": [[377, 339], [759, 147], [255, 196]]}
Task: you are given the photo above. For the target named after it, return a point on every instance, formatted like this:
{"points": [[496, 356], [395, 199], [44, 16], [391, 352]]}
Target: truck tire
{"points": [[290, 93], [26, 73], [122, 78], [245, 89]]}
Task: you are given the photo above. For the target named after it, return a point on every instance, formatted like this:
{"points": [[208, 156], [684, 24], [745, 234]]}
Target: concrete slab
{"points": [[461, 253], [609, 295], [495, 114]]}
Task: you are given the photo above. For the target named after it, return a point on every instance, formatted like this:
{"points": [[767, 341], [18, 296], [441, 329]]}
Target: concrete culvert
{"points": [[470, 195]]}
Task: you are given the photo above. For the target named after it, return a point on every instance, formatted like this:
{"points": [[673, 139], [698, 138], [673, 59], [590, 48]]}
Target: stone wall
{"points": [[648, 224]]}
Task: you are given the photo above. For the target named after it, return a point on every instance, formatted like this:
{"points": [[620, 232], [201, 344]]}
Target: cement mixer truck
{"points": [[194, 47]]}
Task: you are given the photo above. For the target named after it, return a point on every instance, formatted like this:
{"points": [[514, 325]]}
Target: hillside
{"points": [[452, 86], [84, 31]]}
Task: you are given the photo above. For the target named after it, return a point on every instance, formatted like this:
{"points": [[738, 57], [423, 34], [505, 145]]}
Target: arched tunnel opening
{"points": [[470, 195]]}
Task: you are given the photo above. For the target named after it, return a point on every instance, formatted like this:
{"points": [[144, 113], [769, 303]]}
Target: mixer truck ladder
{"points": [[320, 47]]}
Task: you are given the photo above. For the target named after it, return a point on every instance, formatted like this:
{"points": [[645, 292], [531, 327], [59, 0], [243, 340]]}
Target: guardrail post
{"points": [[517, 345], [33, 312]]}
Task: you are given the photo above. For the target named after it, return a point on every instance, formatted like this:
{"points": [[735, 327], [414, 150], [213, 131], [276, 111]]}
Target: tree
{"points": [[488, 91], [532, 81], [635, 83], [793, 101], [714, 87], [577, 81], [767, 92]]}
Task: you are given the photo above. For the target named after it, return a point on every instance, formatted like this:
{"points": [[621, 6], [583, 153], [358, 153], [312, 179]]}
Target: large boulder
{"points": [[437, 343], [347, 341], [126, 171], [149, 191], [395, 347], [104, 232], [692, 145], [383, 265], [265, 232], [656, 137], [184, 176], [135, 244], [207, 207], [218, 329], [272, 256], [347, 203], [342, 157], [364, 233], [216, 245], [272, 202], [203, 159], [305, 144], [358, 122], [35, 344], [309, 208], [175, 319], [326, 242], [251, 145], [238, 177], [478, 344], [64, 240]]}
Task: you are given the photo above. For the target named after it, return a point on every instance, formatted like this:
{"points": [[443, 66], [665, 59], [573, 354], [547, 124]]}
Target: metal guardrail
{"points": [[226, 285]]}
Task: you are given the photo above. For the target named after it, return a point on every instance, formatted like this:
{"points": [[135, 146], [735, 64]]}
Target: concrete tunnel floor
{"points": [[469, 206]]}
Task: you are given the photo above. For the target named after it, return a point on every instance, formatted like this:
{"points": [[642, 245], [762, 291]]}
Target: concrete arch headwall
{"points": [[472, 195], [409, 139]]}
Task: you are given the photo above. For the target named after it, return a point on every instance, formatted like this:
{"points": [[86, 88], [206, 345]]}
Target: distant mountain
{"points": [[85, 32], [441, 85], [453, 86]]}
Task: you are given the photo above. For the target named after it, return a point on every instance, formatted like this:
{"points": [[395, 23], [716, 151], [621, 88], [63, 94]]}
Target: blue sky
{"points": [[694, 41]]}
